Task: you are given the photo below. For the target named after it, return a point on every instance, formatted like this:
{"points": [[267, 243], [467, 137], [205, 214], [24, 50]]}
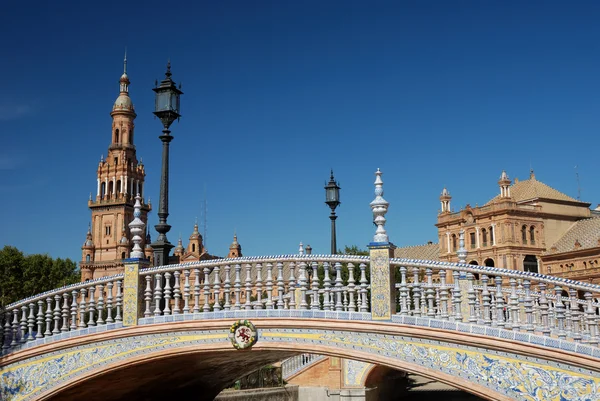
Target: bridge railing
{"points": [[50, 314], [440, 291]]}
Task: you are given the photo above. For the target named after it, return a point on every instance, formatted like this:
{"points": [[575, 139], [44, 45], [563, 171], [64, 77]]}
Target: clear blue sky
{"points": [[435, 93]]}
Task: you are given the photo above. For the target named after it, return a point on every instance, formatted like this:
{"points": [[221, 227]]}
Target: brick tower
{"points": [[119, 178]]}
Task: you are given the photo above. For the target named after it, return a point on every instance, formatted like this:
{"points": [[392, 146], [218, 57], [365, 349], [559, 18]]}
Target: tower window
{"points": [[116, 160], [454, 242], [107, 230], [87, 258], [524, 234], [116, 136], [491, 235], [193, 247], [532, 235]]}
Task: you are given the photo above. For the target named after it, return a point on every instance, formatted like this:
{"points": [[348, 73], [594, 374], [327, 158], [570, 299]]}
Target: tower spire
{"points": [[125, 62]]}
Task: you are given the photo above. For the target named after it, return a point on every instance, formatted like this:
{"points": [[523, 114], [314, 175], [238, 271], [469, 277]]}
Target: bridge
{"points": [[154, 332]]}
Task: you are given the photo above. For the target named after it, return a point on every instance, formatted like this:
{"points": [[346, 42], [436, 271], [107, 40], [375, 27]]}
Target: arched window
{"points": [[87, 258], [118, 187], [122, 255], [489, 262], [110, 188], [102, 190], [473, 241], [474, 262], [491, 235], [116, 136], [524, 234], [484, 236], [530, 264], [532, 234], [193, 247], [454, 242]]}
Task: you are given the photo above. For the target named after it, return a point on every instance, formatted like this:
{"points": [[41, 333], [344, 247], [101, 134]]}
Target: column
{"points": [[477, 236], [493, 234], [448, 241], [126, 186], [98, 191]]}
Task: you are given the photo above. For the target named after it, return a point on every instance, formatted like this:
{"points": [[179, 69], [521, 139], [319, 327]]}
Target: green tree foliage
{"points": [[26, 275]]}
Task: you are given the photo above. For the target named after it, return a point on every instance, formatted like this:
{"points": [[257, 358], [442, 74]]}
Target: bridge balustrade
{"points": [[425, 290]]}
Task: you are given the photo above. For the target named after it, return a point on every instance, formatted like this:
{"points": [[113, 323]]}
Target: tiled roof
{"points": [[532, 188], [427, 251], [585, 232]]}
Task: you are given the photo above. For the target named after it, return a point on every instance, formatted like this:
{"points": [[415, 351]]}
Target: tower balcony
{"points": [[116, 199]]}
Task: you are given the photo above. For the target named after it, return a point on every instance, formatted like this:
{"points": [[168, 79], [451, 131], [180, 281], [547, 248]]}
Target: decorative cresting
{"points": [[524, 375]]}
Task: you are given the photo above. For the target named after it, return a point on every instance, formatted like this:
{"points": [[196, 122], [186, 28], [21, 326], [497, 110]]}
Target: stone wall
{"points": [[287, 393]]}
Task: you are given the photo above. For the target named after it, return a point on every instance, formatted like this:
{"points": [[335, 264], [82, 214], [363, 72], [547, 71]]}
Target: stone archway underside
{"points": [[177, 358]]}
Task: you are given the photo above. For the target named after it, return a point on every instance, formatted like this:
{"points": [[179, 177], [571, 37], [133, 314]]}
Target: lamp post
{"points": [[332, 199], [166, 108]]}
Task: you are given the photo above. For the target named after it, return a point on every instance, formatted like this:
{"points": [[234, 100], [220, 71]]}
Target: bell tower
{"points": [[119, 178]]}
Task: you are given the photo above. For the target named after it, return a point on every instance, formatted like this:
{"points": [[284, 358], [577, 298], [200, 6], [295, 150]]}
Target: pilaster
{"points": [[132, 290]]}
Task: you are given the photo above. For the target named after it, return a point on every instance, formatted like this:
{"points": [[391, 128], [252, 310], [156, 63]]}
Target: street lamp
{"points": [[166, 108], [332, 199]]}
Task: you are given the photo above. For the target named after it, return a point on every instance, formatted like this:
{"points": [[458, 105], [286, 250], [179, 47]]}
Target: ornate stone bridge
{"points": [[164, 331]]}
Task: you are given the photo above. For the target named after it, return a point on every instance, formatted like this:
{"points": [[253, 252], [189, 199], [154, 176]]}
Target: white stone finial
{"points": [[380, 208], [462, 251], [136, 227], [301, 249]]}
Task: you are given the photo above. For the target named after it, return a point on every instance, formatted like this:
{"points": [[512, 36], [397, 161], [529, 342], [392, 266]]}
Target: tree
{"points": [[26, 275]]}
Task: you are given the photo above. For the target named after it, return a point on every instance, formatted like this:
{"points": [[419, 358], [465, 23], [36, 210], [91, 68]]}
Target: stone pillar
{"points": [[383, 290], [132, 290]]}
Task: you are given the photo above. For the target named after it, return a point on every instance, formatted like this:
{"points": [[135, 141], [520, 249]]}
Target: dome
{"points": [[123, 102], [88, 243]]}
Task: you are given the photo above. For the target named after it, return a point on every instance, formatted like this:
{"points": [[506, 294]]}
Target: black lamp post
{"points": [[332, 199], [167, 110]]}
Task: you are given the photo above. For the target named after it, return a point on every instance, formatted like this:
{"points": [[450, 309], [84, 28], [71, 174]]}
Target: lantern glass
{"points": [[332, 193], [163, 101]]}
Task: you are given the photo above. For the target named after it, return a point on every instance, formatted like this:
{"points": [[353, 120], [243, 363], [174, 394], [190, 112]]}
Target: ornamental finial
{"points": [[462, 251], [136, 227], [380, 208], [301, 249]]}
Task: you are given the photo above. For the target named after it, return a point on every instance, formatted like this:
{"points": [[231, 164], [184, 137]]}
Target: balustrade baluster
{"points": [[65, 313], [543, 301], [206, 289], [186, 291], [477, 306], [485, 299], [269, 286], [520, 305], [217, 289], [48, 316], [471, 298], [23, 325], [528, 300], [437, 303], [15, 328], [247, 303], [100, 304], [227, 288], [456, 297], [92, 307], [559, 308], [109, 302], [315, 303], [364, 306], [167, 294], [592, 327], [6, 340], [339, 306], [196, 290], [326, 288], [351, 288], [280, 286], [148, 296], [568, 320], [575, 315], [303, 286], [56, 314], [118, 316], [514, 306], [345, 299], [404, 293], [443, 296], [82, 307], [157, 293], [423, 299], [416, 290], [40, 319], [176, 293], [292, 287], [259, 285], [500, 320], [430, 293], [237, 287], [30, 321]]}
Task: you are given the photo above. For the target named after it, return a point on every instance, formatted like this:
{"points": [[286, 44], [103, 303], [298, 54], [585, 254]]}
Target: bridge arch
{"points": [[494, 369]]}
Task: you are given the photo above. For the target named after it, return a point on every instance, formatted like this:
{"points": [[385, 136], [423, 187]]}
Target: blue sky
{"points": [[435, 93]]}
